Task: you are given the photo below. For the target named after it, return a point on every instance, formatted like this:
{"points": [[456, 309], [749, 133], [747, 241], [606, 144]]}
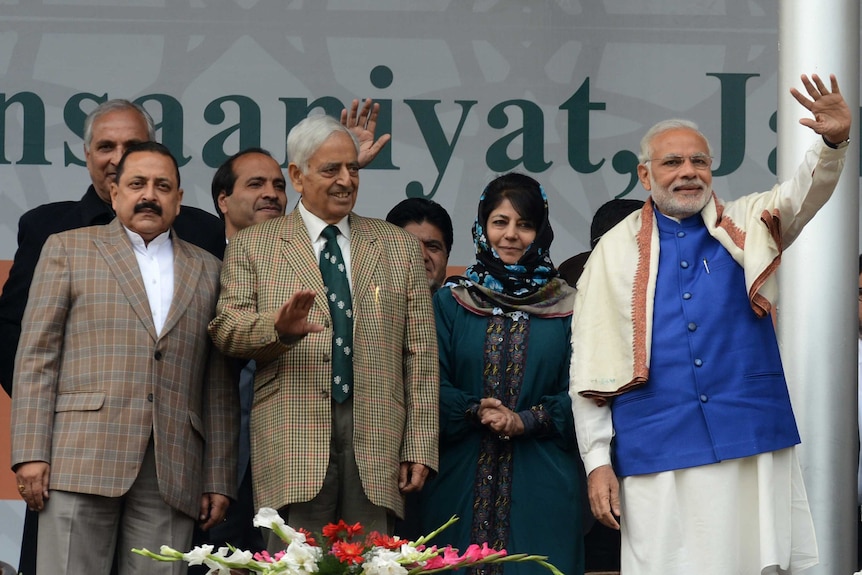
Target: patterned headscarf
{"points": [[532, 285], [532, 271]]}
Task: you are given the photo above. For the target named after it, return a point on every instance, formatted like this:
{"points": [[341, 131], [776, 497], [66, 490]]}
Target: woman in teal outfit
{"points": [[508, 455]]}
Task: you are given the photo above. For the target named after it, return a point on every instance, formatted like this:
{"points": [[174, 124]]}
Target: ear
{"points": [[295, 175], [115, 190], [643, 176], [180, 202], [222, 201]]}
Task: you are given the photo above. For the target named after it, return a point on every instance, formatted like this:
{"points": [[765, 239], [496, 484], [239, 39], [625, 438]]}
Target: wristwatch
{"points": [[837, 146]]}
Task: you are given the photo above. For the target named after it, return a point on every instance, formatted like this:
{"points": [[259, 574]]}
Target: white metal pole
{"points": [[817, 313]]}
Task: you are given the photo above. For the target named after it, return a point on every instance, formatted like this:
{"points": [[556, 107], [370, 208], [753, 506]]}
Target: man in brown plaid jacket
{"points": [[125, 419]]}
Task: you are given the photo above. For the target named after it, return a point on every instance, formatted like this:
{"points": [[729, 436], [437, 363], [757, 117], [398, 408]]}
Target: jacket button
{"points": [[326, 358], [704, 398], [150, 397], [158, 355], [324, 393]]}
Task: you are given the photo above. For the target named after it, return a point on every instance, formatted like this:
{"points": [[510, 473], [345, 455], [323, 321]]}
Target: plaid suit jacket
{"points": [[396, 381], [93, 380]]}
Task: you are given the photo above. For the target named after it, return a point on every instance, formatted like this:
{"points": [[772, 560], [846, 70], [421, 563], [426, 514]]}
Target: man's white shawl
{"points": [[613, 310]]}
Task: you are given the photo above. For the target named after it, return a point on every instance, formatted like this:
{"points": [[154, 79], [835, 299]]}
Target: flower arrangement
{"points": [[342, 551]]}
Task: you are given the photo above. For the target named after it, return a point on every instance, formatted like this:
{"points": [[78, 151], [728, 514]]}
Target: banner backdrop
{"points": [[562, 90]]}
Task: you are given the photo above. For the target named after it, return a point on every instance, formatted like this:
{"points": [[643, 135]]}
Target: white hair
{"points": [[308, 135], [666, 126]]}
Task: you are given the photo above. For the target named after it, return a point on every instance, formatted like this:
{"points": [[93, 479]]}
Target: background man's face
{"points": [[147, 197], [258, 193], [433, 251], [331, 183], [113, 132]]}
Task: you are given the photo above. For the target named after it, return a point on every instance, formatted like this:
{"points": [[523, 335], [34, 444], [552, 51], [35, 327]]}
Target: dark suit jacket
{"points": [[94, 381], [193, 225]]}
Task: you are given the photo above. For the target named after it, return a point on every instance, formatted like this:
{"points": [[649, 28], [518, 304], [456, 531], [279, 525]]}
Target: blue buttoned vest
{"points": [[716, 387]]}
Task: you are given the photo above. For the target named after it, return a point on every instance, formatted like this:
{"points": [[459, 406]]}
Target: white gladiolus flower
{"points": [[383, 564], [301, 558], [267, 517], [196, 556]]}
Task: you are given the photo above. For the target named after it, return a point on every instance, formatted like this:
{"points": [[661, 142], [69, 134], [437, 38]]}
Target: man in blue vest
{"points": [[682, 412]]}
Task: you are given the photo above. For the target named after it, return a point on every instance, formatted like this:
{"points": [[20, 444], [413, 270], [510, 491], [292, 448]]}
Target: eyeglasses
{"points": [[675, 162]]}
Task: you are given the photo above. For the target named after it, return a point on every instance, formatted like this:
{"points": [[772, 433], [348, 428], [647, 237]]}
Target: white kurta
{"points": [[859, 412], [741, 516]]}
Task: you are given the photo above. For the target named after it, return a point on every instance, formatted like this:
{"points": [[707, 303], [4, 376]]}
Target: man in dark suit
{"points": [[432, 226], [124, 417], [108, 131], [248, 188]]}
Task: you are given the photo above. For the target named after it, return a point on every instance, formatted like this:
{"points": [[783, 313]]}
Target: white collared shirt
{"points": [[156, 262], [315, 227]]}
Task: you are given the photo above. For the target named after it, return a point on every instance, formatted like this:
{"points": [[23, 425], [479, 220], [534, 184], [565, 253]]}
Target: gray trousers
{"points": [[79, 533], [342, 495]]}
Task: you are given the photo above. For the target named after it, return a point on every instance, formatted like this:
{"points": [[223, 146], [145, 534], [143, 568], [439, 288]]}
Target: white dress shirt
{"points": [[315, 227], [156, 262]]}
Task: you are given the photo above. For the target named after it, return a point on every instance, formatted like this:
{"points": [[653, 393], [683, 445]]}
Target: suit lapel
{"points": [[299, 254], [187, 273], [364, 256], [117, 250]]}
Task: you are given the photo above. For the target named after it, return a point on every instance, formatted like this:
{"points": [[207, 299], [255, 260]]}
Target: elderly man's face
{"points": [[147, 197], [678, 173], [258, 193], [331, 181], [113, 132], [433, 251]]}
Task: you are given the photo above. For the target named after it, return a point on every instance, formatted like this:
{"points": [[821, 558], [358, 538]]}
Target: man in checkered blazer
{"points": [[314, 458], [125, 419]]}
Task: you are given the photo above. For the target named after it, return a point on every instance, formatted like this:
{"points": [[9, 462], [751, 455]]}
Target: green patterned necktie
{"points": [[334, 275]]}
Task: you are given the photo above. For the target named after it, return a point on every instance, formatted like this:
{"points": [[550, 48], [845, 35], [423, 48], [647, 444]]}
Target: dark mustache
{"points": [[146, 205]]}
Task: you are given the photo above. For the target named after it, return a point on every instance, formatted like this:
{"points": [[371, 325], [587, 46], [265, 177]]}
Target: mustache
{"points": [[271, 204], [687, 182], [147, 205]]}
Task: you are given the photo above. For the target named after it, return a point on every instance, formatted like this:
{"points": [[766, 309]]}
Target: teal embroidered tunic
{"points": [[524, 493]]}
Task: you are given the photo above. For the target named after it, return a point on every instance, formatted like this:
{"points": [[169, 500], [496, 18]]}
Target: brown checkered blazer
{"points": [[396, 381], [92, 378]]}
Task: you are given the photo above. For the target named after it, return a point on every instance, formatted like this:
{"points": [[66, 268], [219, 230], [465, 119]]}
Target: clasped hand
{"points": [[499, 418]]}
